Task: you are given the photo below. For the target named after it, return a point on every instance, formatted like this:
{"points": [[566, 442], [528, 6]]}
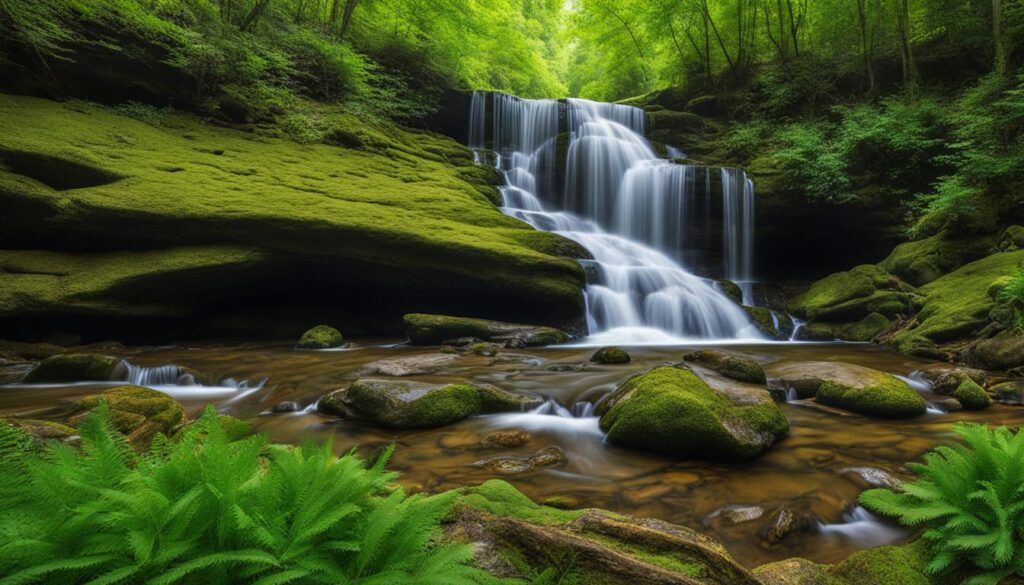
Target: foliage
{"points": [[969, 499], [231, 511], [1011, 293]]}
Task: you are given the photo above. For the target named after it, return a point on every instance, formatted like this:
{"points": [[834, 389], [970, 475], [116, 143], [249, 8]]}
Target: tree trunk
{"points": [[997, 37], [718, 36], [332, 18], [254, 14], [346, 18], [865, 44], [909, 67]]}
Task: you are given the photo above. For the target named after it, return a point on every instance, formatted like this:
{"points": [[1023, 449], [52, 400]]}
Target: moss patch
{"points": [[435, 329], [320, 337], [881, 396], [611, 355], [972, 396], [922, 261], [140, 413], [501, 498], [851, 295]]}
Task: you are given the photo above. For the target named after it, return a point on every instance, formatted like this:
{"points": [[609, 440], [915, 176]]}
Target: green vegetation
{"points": [[968, 501], [320, 337], [426, 329], [971, 395], [240, 511]]}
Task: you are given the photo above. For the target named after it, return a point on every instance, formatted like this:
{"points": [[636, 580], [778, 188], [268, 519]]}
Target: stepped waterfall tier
{"points": [[645, 220]]}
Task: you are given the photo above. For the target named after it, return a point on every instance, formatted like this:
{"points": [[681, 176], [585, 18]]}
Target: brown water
{"points": [[801, 472]]}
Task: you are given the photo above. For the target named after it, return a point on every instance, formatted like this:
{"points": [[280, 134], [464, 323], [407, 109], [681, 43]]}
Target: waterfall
{"points": [[738, 229], [635, 213]]}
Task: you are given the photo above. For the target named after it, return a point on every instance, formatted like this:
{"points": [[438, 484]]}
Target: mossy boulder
{"points": [[972, 396], [406, 405], [611, 355], [1011, 239], [424, 329], [851, 296], [234, 429], [321, 337], [922, 261], [1003, 352], [771, 324], [1010, 392], [864, 330], [730, 364], [731, 290], [850, 387], [20, 351], [140, 413], [673, 411], [43, 431], [77, 367]]}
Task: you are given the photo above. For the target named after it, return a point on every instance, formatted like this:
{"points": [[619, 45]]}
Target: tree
{"points": [[865, 44], [906, 51]]}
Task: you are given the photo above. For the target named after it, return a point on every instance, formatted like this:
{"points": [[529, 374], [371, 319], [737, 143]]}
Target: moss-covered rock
{"points": [[795, 571], [851, 296], [922, 261], [1011, 239], [730, 364], [972, 396], [20, 351], [611, 355], [673, 411], [43, 431], [1003, 352], [850, 387], [1010, 392], [140, 413], [404, 405], [426, 329], [864, 330], [77, 367], [321, 337], [885, 565], [731, 290], [778, 326]]}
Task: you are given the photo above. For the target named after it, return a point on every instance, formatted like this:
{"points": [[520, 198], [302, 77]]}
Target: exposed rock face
{"points": [[730, 364], [424, 329], [605, 548], [405, 405], [78, 367], [140, 413], [850, 387], [509, 465], [610, 355], [321, 337], [409, 365], [674, 411]]}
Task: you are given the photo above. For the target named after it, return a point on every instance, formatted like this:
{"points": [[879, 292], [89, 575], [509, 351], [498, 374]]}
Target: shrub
{"points": [[969, 499], [813, 164], [211, 509]]}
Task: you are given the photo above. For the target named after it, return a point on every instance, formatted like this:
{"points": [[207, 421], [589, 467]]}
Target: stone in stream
{"points": [[412, 365], [286, 406], [610, 355], [509, 439], [871, 477], [1011, 392], [946, 381], [851, 387], [406, 405], [784, 522], [730, 364], [972, 396], [1003, 352], [676, 412], [424, 329], [77, 367], [947, 404], [140, 413], [734, 515], [321, 337], [512, 464]]}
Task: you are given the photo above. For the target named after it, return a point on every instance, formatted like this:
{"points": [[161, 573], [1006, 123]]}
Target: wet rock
{"points": [[43, 431], [610, 355], [16, 351], [730, 364], [506, 439], [286, 406], [850, 387], [771, 324], [1011, 393], [734, 515], [972, 396], [461, 341], [140, 413], [412, 365], [424, 329], [947, 404], [395, 404], [795, 571], [947, 381], [321, 337], [673, 411], [484, 349], [784, 522], [1003, 352], [871, 477], [731, 290], [512, 465], [77, 367], [567, 367]]}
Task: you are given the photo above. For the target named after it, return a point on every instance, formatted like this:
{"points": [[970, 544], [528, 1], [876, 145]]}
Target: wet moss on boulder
{"points": [[1003, 352], [922, 261], [21, 351], [730, 364], [850, 387], [408, 404], [864, 330], [673, 411], [852, 295], [425, 329], [77, 367], [731, 290], [611, 355], [972, 396], [321, 337], [140, 413]]}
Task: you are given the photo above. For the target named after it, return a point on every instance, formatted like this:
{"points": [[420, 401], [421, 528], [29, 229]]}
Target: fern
{"points": [[969, 499], [214, 509]]}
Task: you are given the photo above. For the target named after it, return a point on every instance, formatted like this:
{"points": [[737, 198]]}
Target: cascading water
{"points": [[627, 207], [738, 230]]}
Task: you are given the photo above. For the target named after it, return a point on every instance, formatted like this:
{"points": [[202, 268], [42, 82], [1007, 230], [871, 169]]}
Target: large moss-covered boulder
{"points": [[771, 324], [424, 329], [850, 387], [851, 296], [321, 337], [922, 261], [610, 355], [730, 364], [1003, 352], [904, 564], [672, 410], [410, 404], [77, 367], [972, 396], [864, 330], [140, 413]]}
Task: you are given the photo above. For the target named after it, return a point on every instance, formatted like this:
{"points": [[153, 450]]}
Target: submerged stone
{"points": [[395, 404], [321, 337], [611, 355], [409, 365], [673, 411], [424, 329], [509, 439], [784, 522], [513, 464], [77, 367]]}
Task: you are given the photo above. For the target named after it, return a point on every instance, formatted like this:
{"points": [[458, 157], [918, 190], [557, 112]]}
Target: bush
{"points": [[969, 499], [813, 164], [215, 510]]}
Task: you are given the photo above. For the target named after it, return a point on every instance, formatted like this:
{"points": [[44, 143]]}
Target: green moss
{"points": [[28, 351], [731, 290], [321, 337], [664, 560], [762, 318], [611, 355], [922, 261], [864, 330], [851, 295], [672, 411], [958, 304], [80, 367], [972, 396], [738, 367], [883, 396], [140, 413], [435, 329], [501, 498], [886, 565]]}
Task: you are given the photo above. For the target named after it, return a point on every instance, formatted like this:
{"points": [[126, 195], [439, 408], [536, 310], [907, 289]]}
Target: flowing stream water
{"points": [[634, 212]]}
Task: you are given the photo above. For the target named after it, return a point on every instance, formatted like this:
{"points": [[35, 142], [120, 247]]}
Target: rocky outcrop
{"points": [[672, 410], [424, 329], [77, 367], [856, 300], [850, 387], [406, 405]]}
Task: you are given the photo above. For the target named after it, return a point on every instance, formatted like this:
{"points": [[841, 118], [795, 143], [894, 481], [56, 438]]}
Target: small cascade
{"points": [[738, 230], [166, 375], [673, 153], [177, 381], [622, 203], [791, 395], [553, 417], [798, 324], [863, 528], [917, 381]]}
